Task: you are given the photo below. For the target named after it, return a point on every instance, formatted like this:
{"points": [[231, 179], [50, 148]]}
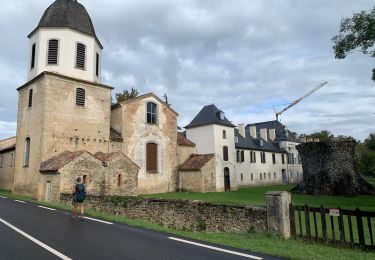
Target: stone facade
{"points": [[7, 156], [185, 215], [129, 118]]}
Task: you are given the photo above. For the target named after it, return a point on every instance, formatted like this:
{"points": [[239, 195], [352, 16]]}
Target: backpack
{"points": [[80, 192]]}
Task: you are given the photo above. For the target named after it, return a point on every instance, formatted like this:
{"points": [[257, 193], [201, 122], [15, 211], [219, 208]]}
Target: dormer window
{"points": [[53, 52], [152, 114], [221, 115], [80, 56], [261, 142]]}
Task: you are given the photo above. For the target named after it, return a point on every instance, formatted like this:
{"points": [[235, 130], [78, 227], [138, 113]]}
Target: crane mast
{"points": [[295, 102]]}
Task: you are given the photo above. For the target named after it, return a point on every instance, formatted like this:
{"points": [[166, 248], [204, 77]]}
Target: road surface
{"points": [[29, 231]]}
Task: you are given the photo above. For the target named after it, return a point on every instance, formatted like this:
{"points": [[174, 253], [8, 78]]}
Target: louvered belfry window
{"points": [[81, 56], [152, 158], [30, 98], [53, 51], [80, 97]]}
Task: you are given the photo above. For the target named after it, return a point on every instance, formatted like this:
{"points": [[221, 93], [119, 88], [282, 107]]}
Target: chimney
{"points": [[253, 131], [241, 130], [272, 134], [263, 134]]}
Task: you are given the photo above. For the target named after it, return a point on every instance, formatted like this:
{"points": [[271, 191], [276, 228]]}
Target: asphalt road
{"points": [[29, 231]]}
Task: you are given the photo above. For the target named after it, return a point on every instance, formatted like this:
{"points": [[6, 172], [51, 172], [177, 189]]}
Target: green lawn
{"points": [[256, 196]]}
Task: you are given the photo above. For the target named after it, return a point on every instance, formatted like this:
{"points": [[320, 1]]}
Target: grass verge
{"points": [[255, 242]]}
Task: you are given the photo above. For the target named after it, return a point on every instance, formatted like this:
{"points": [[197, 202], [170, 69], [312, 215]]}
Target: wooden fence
{"points": [[336, 226]]}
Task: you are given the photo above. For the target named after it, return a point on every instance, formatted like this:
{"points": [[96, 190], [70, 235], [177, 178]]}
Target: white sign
{"points": [[334, 212]]}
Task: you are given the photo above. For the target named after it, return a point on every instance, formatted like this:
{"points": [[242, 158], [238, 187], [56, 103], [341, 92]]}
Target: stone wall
{"points": [[7, 169], [185, 215]]}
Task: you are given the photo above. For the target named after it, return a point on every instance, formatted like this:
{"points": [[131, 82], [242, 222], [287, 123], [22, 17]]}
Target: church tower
{"points": [[65, 42], [62, 106]]}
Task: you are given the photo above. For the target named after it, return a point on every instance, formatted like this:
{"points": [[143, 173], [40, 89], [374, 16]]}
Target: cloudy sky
{"points": [[245, 56]]}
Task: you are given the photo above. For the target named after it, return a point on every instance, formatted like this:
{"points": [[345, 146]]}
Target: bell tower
{"points": [[65, 42]]}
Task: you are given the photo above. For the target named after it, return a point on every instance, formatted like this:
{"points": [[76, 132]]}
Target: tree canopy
{"points": [[356, 33], [126, 94]]}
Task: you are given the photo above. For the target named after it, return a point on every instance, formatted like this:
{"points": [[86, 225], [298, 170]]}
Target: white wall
{"points": [[68, 39], [294, 171]]}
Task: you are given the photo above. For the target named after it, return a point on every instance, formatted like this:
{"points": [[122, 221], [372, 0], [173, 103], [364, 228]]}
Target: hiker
{"points": [[79, 196]]}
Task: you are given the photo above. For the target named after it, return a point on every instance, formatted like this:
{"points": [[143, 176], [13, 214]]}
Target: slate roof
{"points": [[115, 136], [196, 161], [250, 143], [57, 162], [281, 132], [209, 115], [183, 141], [67, 13]]}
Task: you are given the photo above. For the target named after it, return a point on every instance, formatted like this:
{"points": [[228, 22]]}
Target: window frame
{"points": [[26, 153], [156, 113], [84, 97], [85, 57], [58, 52]]}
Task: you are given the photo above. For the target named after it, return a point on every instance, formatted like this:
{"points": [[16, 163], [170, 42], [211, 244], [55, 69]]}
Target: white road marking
{"points": [[20, 201], [216, 248], [36, 241], [45, 208], [98, 220], [3, 197]]}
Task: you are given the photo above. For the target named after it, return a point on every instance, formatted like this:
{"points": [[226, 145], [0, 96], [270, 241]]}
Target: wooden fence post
{"points": [[292, 221], [324, 223], [307, 222], [361, 234]]}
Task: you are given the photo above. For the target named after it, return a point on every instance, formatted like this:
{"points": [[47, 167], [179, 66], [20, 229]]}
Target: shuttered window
{"points": [[152, 114], [152, 158], [80, 97], [26, 155], [80, 56], [97, 64], [30, 98], [32, 65], [53, 52]]}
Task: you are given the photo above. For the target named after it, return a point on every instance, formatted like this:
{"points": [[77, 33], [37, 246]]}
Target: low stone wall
{"points": [[185, 215]]}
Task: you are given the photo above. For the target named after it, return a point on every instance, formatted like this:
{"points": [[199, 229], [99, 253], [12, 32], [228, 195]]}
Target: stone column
{"points": [[278, 212]]}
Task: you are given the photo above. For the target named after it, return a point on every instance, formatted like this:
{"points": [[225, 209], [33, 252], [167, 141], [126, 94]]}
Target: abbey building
{"points": [[67, 127]]}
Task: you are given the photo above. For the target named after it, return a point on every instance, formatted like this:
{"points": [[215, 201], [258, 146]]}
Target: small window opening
{"points": [[119, 180], [241, 177], [225, 153], [1, 161], [11, 160], [30, 98], [32, 65], [80, 97], [252, 177], [97, 64], [224, 134], [84, 179], [274, 175]]}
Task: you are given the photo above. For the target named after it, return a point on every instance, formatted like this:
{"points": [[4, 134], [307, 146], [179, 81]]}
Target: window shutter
{"points": [[81, 56], [152, 158], [80, 97], [53, 51]]}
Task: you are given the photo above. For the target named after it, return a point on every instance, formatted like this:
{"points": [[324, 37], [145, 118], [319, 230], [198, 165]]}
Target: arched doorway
{"points": [[226, 179]]}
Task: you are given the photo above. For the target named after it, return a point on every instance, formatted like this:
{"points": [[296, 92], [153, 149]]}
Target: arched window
{"points": [[80, 97], [152, 158], [119, 180], [84, 179], [30, 98], [152, 114], [26, 155], [225, 153], [32, 64], [80, 56], [53, 52]]}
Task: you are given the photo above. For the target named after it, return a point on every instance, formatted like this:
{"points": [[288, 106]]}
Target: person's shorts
{"points": [[77, 203]]}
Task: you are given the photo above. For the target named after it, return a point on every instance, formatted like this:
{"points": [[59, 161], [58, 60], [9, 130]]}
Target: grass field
{"points": [[256, 196]]}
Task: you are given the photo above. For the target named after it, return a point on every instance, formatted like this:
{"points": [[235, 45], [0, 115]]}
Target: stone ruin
{"points": [[331, 169]]}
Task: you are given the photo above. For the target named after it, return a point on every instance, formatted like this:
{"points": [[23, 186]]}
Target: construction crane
{"points": [[295, 102]]}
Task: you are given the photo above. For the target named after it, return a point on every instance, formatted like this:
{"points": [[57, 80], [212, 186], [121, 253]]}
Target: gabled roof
{"points": [[142, 97], [250, 143], [183, 141], [196, 161], [209, 115], [59, 161]]}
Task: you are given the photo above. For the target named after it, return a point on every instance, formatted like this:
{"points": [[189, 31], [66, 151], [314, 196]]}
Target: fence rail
{"points": [[337, 226]]}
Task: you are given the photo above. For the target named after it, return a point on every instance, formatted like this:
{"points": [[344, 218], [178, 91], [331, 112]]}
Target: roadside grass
{"points": [[256, 196], [256, 242]]}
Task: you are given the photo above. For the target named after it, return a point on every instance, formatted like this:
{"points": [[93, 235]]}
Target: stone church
{"points": [[67, 127]]}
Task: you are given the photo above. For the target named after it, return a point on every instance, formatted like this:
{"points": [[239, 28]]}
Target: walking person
{"points": [[79, 196]]}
